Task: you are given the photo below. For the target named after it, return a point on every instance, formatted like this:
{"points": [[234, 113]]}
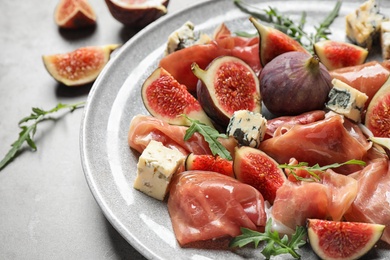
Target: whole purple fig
{"points": [[293, 83]]}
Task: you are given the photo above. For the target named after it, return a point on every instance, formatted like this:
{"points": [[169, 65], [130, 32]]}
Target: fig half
{"points": [[342, 240], [274, 42], [227, 85], [377, 118], [137, 13], [336, 55], [80, 66], [74, 14], [165, 98]]}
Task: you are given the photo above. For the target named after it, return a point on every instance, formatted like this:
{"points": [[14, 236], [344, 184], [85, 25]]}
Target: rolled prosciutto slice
{"points": [[207, 205], [325, 142], [144, 128], [372, 203], [328, 199]]}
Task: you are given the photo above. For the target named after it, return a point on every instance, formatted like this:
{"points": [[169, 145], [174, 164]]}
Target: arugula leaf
{"points": [[289, 27], [274, 244], [311, 169], [210, 136], [28, 131]]}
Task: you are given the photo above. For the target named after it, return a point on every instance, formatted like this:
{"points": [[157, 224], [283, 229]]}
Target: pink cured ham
{"points": [[328, 199], [372, 203], [145, 128], [324, 142], [207, 205]]}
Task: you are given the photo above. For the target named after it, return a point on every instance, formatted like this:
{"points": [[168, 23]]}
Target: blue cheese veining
{"points": [[155, 168], [345, 100], [247, 127], [364, 24]]}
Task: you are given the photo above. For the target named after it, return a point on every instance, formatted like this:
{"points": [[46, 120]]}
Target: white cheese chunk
{"points": [[345, 100], [247, 127], [385, 40], [364, 24], [184, 37], [155, 168]]}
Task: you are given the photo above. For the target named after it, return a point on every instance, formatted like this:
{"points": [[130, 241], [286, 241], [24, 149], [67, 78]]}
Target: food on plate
{"points": [[385, 40], [74, 14], [334, 139], [137, 13], [363, 25], [274, 42], [342, 240], [206, 206], [346, 100], [167, 99], [328, 198], [294, 83], [178, 63], [374, 186], [80, 66], [247, 127], [227, 84], [208, 162], [254, 167], [156, 166], [185, 37], [310, 160], [336, 55], [368, 77], [377, 117]]}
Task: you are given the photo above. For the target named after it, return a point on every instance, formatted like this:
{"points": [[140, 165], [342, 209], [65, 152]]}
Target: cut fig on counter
{"points": [[274, 42], [227, 85], [79, 67], [137, 13], [254, 167], [166, 99], [377, 118], [294, 83], [336, 55], [74, 14], [342, 240]]}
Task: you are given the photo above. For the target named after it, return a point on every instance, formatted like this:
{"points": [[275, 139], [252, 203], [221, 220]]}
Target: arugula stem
{"points": [[28, 131]]}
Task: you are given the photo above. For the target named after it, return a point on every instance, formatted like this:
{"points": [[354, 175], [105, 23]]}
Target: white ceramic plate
{"points": [[108, 162]]}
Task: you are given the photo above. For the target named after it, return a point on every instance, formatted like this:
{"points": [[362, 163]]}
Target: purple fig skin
{"points": [[294, 83]]}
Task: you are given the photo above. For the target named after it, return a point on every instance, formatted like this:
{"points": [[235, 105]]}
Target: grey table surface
{"points": [[46, 208]]}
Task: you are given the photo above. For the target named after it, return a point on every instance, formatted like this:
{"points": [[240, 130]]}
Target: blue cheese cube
{"points": [[155, 168], [364, 24], [184, 37], [385, 40], [345, 100], [247, 127]]}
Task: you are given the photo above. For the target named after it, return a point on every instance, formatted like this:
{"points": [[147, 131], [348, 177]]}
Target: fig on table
{"points": [[74, 14]]}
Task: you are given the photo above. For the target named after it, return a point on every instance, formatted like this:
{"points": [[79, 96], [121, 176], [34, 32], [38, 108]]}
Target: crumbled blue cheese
{"points": [[155, 168], [364, 24], [385, 40], [247, 127], [184, 37], [345, 100]]}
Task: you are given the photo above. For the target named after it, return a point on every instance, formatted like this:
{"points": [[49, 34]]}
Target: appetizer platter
{"points": [[119, 108]]}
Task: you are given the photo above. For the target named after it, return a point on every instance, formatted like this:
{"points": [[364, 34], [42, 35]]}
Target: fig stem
{"points": [[313, 64], [198, 72]]}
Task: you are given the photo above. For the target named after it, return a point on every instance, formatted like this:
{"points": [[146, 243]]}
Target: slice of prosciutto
{"points": [[372, 203], [207, 205], [144, 128], [328, 199], [327, 141]]}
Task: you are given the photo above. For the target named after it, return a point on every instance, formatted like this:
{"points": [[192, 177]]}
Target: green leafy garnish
{"points": [[312, 169], [289, 27], [210, 136], [274, 244], [28, 131]]}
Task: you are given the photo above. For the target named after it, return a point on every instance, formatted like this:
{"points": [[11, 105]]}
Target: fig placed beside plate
{"points": [[74, 14], [137, 13]]}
